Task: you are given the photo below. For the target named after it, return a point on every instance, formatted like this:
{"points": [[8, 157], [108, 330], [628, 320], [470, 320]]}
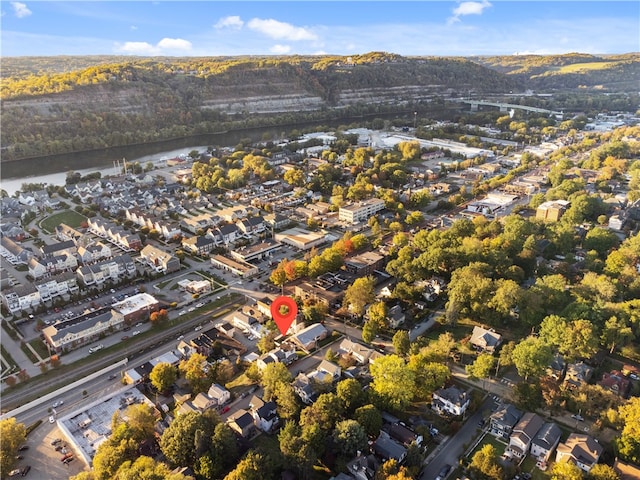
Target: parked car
{"points": [[56, 441], [135, 332], [113, 376], [96, 348], [580, 418], [198, 328], [52, 419], [25, 470], [444, 471], [65, 456], [23, 448]]}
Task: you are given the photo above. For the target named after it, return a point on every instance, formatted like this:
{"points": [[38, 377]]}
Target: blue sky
{"points": [[217, 28]]}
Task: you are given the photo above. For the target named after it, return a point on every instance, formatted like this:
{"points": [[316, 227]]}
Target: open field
{"points": [[68, 217]]}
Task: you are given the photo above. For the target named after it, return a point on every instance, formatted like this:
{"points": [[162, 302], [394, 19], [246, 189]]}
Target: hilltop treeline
{"points": [[53, 105]]}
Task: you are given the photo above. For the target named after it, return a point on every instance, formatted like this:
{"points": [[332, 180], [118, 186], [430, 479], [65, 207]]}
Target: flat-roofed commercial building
{"points": [[361, 211]]}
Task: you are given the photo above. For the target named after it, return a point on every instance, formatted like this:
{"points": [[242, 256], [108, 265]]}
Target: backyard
{"points": [[68, 217]]}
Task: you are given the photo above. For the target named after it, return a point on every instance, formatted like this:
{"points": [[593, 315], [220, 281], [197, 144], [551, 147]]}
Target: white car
{"points": [[135, 332], [198, 328], [96, 348], [183, 312], [52, 419]]}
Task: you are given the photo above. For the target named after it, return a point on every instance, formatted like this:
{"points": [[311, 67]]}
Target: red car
{"points": [[225, 409], [66, 455]]}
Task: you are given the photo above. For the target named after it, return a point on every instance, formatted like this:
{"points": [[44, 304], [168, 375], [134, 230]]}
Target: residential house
{"points": [[159, 260], [241, 422], [395, 316], [626, 471], [57, 285], [21, 298], [13, 252], [485, 340], [523, 434], [67, 247], [357, 351], [309, 337], [615, 382], [546, 441], [577, 374], [203, 402], [303, 387], [224, 234], [218, 394], [504, 420], [66, 336], [42, 267], [365, 263], [252, 226], [404, 435], [450, 401], [94, 252], [582, 450], [557, 368], [362, 467], [265, 415], [111, 270], [65, 232], [199, 245], [277, 221], [387, 448]]}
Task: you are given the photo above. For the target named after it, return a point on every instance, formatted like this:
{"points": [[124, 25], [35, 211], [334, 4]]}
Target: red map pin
{"points": [[284, 317]]}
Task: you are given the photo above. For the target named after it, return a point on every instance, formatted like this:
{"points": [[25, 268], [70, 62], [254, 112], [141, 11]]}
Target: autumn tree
{"points": [[162, 376], [602, 471], [187, 438], [13, 435], [565, 471], [146, 468], [350, 394]]}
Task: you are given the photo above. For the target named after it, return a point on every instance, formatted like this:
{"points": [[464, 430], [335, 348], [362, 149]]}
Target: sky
{"points": [[227, 28]]}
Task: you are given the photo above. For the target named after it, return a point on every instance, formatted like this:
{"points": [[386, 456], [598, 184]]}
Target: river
{"points": [[53, 169]]}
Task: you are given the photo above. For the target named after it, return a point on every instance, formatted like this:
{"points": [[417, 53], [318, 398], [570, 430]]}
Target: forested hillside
{"points": [[56, 105]]}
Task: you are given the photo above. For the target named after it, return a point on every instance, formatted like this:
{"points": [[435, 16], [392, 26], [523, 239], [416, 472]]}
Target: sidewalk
{"points": [[21, 358]]}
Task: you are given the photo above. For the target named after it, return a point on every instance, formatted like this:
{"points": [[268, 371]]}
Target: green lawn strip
{"points": [[27, 351], [10, 331], [68, 217], [39, 346], [7, 357]]}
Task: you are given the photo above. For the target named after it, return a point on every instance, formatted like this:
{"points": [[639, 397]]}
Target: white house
{"points": [[219, 394], [583, 450], [450, 401]]}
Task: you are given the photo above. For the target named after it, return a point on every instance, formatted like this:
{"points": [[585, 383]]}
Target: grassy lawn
{"points": [[8, 358], [68, 217], [39, 347], [28, 353], [580, 67]]}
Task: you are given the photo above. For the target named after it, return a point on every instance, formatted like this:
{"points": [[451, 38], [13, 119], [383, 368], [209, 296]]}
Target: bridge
{"points": [[505, 107]]}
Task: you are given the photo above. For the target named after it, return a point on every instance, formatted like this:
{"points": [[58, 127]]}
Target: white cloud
{"points": [[468, 8], [164, 46], [20, 9], [133, 28], [232, 21], [137, 48], [280, 49], [174, 44], [280, 30]]}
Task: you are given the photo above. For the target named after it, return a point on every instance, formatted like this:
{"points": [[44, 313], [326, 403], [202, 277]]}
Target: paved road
{"points": [[13, 398], [449, 452]]}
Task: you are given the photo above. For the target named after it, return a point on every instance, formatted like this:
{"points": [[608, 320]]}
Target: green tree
{"points": [[369, 331], [272, 376], [350, 437], [224, 448], [370, 418], [616, 332], [628, 444], [146, 468], [13, 435], [393, 380], [359, 294], [485, 464], [254, 466], [401, 342], [193, 370], [299, 446], [162, 376], [531, 357], [482, 367], [350, 394], [111, 455], [429, 375], [378, 313], [185, 439], [287, 401]]}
